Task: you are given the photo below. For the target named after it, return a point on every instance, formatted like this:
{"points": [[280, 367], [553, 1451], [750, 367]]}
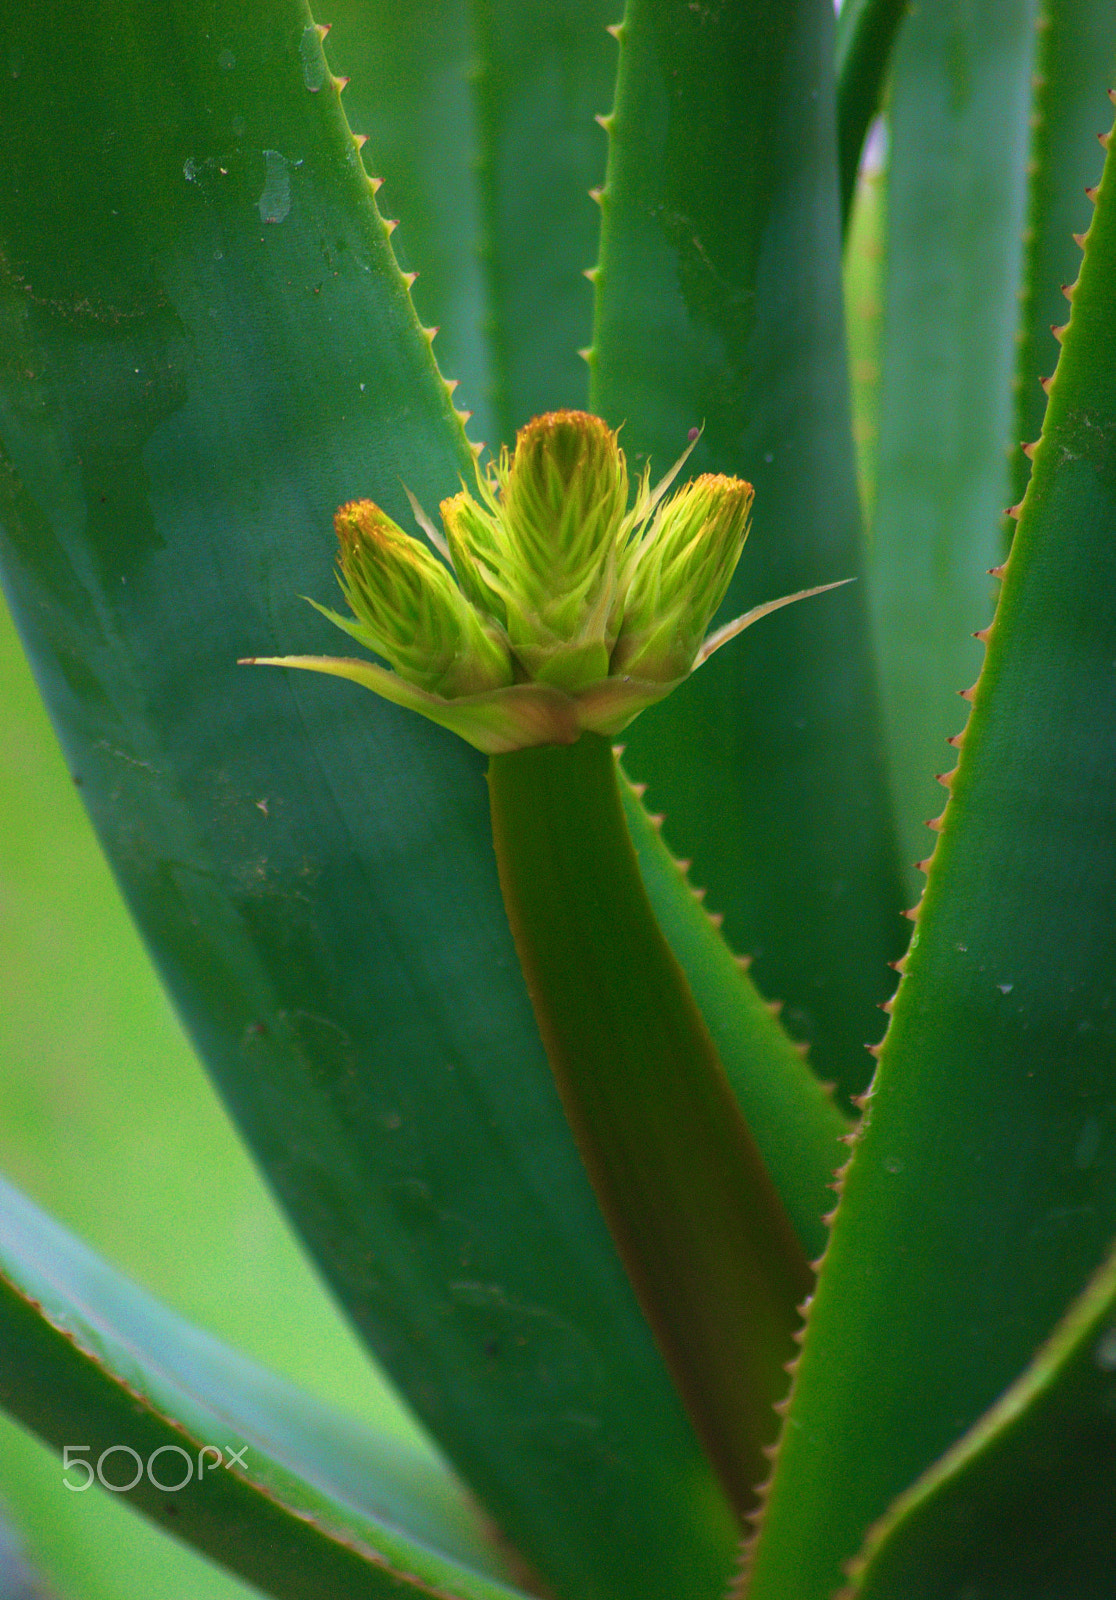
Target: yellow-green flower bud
{"points": [[473, 537], [563, 498], [409, 610], [677, 575]]}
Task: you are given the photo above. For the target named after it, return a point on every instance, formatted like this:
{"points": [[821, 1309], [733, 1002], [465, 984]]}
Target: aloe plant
{"points": [[559, 1116]]}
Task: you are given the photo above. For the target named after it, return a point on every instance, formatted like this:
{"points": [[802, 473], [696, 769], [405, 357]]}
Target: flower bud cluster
{"points": [[564, 610]]}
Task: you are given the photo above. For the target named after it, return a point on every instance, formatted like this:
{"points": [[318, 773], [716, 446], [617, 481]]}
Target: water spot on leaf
{"points": [[275, 201], [314, 69]]}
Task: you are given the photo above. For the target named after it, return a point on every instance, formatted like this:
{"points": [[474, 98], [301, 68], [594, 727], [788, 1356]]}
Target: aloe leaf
{"points": [[1076, 61], [956, 199], [866, 33], [1021, 1507], [195, 376], [412, 93], [288, 1494], [545, 72], [791, 1114], [718, 302], [996, 1082], [474, 110]]}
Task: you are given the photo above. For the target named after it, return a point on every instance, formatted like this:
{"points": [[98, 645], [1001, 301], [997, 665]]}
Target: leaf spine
{"points": [[1093, 192], [340, 84], [966, 694], [935, 823], [956, 740], [323, 28], [592, 273], [946, 778], [1044, 383], [1029, 451], [1058, 329], [616, 29], [997, 572], [360, 140], [1080, 238], [606, 120], [390, 225], [376, 184], [983, 634], [597, 194], [409, 278]]}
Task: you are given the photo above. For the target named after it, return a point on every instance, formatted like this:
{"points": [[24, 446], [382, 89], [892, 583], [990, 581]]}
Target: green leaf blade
{"points": [[866, 34], [995, 1084], [1075, 67], [956, 199], [792, 1115], [718, 303], [313, 872], [312, 1502], [1020, 1506]]}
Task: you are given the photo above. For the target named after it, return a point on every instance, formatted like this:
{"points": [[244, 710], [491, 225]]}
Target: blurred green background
{"points": [[108, 1121]]}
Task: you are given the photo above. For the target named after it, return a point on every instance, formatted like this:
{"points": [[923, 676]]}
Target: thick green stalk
{"points": [[694, 1214]]}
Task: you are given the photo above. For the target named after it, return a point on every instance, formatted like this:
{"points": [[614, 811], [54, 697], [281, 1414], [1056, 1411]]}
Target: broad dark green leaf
{"points": [[287, 1493], [982, 1193], [1021, 1507], [481, 120], [412, 92], [718, 303], [1075, 66], [956, 198], [545, 71], [207, 347]]}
